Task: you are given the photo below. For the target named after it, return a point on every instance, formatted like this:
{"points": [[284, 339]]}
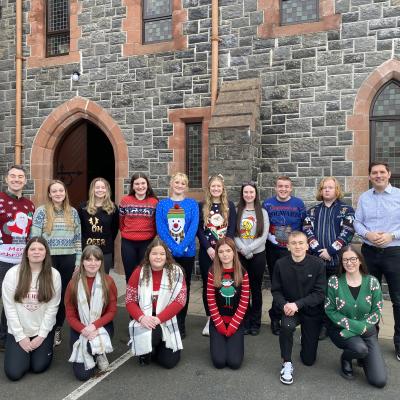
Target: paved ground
{"points": [[195, 377]]}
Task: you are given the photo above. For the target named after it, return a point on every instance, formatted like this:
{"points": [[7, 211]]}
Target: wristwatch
{"points": [[393, 236]]}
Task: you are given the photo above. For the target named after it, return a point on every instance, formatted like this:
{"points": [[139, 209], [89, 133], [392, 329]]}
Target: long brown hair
{"points": [[45, 279], [50, 209], [108, 206], [217, 267], [363, 265], [208, 200], [169, 262], [149, 191], [96, 252], [257, 208]]}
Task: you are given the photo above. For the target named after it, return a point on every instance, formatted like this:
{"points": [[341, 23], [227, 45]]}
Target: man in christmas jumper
{"points": [[286, 214], [16, 214], [298, 289]]}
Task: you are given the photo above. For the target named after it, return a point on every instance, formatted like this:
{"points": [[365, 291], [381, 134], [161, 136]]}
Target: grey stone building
{"points": [[304, 88]]}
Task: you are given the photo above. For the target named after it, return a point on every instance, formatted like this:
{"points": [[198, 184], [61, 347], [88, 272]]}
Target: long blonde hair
{"points": [[108, 206], [208, 200], [50, 209]]}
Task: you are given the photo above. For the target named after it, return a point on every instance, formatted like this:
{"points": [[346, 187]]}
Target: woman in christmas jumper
{"points": [[227, 296], [155, 294], [31, 295], [252, 228], [177, 219], [91, 305], [137, 222], [59, 224], [354, 305], [217, 220], [99, 220]]}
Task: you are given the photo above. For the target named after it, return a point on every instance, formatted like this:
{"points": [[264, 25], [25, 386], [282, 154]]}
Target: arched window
{"points": [[385, 128]]}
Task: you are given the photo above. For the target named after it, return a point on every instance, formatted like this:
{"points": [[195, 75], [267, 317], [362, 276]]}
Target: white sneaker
{"points": [[287, 373], [102, 362], [206, 329], [57, 337]]}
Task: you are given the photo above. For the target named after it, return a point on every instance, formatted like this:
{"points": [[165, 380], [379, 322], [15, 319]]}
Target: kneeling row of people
{"points": [[156, 292]]}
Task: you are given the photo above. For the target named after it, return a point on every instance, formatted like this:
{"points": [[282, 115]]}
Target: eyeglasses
{"points": [[351, 259]]}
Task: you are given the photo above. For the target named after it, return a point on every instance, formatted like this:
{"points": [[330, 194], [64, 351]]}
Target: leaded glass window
{"points": [[57, 23], [385, 128], [297, 12], [194, 154], [157, 20]]}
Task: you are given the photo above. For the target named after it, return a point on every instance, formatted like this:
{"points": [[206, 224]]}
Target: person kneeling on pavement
{"points": [[298, 289]]}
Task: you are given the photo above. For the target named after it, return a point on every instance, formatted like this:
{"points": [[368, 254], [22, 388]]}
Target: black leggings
{"points": [[80, 372], [226, 351], [18, 362], [187, 264], [255, 268], [132, 253], [310, 328], [205, 263], [65, 265], [163, 356], [365, 347]]}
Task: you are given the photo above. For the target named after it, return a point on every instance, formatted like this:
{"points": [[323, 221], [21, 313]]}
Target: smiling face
{"points": [[57, 194], [16, 180], [178, 187], [351, 262], [157, 258], [226, 255], [379, 177], [298, 246], [91, 265], [328, 191], [249, 194], [283, 189], [100, 190], [140, 186], [216, 188], [36, 253]]}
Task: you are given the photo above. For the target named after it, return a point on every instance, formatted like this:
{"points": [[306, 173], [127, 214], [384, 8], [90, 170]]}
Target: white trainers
{"points": [[206, 329], [57, 337], [102, 362], [287, 373]]}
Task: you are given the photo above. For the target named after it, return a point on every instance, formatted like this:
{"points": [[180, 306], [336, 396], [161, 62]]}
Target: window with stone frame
{"points": [[157, 21], [194, 154], [298, 12], [385, 128], [57, 27]]}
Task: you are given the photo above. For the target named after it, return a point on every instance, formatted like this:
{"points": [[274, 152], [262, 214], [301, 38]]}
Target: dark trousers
{"points": [[65, 265], [163, 356], [273, 254], [310, 328], [80, 372], [132, 253], [366, 348], [226, 351], [205, 263], [255, 268], [187, 264], [387, 262], [4, 267], [108, 262], [18, 362]]}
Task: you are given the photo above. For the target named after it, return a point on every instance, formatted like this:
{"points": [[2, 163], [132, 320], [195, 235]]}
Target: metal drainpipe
{"points": [[214, 53], [18, 83]]}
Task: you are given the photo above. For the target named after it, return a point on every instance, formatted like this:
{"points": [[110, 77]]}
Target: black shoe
{"points": [[346, 369], [397, 348], [360, 362], [323, 333], [254, 331], [144, 360], [183, 334], [276, 327], [246, 331]]}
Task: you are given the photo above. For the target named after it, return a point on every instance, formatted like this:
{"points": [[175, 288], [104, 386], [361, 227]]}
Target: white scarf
{"points": [[140, 337], [101, 343]]}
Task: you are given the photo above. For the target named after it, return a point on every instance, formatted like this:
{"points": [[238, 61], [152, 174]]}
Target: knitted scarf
{"points": [[140, 337], [101, 343]]}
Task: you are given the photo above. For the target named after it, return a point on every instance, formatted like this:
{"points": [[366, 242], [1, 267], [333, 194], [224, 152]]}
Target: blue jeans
{"points": [[386, 262]]}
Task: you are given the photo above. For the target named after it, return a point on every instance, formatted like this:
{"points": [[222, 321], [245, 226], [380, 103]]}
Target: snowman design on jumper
{"points": [[176, 223], [227, 290]]}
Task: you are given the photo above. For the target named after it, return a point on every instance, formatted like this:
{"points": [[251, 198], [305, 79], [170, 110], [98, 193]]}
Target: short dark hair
{"points": [[350, 247], [16, 166], [375, 163]]}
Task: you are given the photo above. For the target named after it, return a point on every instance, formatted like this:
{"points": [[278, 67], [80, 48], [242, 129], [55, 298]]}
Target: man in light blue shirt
{"points": [[378, 223]]}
